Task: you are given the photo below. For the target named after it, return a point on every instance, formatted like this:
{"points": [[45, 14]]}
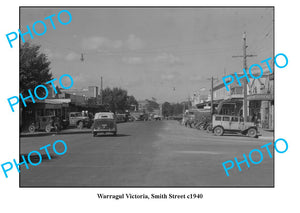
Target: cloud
{"points": [[72, 56], [96, 42], [132, 60], [117, 44], [196, 77], [169, 76], [134, 43], [99, 42], [52, 54], [168, 58]]}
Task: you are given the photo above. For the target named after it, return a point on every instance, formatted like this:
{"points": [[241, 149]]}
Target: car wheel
{"points": [[48, 128], [219, 131], [57, 127], [80, 125], [31, 128], [94, 134], [252, 132], [201, 126], [209, 128]]}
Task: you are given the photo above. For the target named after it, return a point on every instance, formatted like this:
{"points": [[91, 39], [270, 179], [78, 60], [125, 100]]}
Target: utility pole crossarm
{"points": [[241, 56]]}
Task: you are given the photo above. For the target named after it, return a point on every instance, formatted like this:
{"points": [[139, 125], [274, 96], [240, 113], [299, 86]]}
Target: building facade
{"points": [[61, 105], [260, 99]]}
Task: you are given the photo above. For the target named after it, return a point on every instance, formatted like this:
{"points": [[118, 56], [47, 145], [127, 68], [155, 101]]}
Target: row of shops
{"points": [[260, 100], [60, 107]]}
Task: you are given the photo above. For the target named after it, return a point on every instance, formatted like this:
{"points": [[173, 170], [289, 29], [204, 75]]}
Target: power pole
{"points": [[212, 95], [101, 91], [245, 103]]}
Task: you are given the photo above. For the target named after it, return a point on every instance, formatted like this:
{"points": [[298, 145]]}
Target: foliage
{"points": [[34, 68], [131, 102], [151, 105], [169, 109], [117, 99]]}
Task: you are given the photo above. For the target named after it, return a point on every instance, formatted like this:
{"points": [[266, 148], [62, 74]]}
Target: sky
{"points": [[165, 53]]}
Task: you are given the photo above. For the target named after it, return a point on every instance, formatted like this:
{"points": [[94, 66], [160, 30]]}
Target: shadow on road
{"points": [[35, 158], [235, 135], [110, 135]]}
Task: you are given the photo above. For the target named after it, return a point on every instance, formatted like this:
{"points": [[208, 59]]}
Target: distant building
{"points": [[148, 106], [81, 92], [92, 92], [198, 98], [142, 105]]}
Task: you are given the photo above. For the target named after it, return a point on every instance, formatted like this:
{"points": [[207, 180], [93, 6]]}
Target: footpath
{"points": [[62, 132], [266, 134]]}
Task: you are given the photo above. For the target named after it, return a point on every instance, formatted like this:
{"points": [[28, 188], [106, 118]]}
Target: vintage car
{"points": [[233, 124], [46, 123], [104, 122], [121, 118], [79, 120], [157, 117]]}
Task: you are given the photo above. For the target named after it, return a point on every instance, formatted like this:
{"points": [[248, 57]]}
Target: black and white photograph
{"points": [[146, 96]]}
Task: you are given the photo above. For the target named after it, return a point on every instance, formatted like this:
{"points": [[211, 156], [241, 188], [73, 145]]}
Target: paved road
{"points": [[153, 153]]}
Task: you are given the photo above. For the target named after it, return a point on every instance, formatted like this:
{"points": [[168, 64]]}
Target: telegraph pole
{"points": [[212, 95], [245, 103], [101, 91]]}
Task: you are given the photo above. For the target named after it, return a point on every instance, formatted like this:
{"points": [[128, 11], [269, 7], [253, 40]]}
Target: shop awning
{"points": [[260, 97]]}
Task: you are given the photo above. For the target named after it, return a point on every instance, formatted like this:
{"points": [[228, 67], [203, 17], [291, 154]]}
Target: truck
{"points": [[79, 120]]}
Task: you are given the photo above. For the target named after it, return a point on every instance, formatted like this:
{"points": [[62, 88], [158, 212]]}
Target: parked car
{"points": [[233, 124], [79, 120], [157, 117], [121, 118], [104, 122], [46, 123], [144, 117]]}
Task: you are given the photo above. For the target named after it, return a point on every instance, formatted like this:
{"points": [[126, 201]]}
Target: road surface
{"points": [[150, 153]]}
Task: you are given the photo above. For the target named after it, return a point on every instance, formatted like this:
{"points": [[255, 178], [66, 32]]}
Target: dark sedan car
{"points": [[104, 122]]}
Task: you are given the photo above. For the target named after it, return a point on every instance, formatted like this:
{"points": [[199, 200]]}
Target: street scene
{"points": [[151, 153], [139, 97]]}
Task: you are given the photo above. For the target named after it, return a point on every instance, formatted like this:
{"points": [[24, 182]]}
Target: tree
{"points": [[178, 108], [151, 105], [167, 109], [131, 101], [117, 99], [172, 109], [34, 68]]}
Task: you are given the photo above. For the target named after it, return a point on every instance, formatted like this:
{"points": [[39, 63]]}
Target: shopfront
{"points": [[261, 107]]}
